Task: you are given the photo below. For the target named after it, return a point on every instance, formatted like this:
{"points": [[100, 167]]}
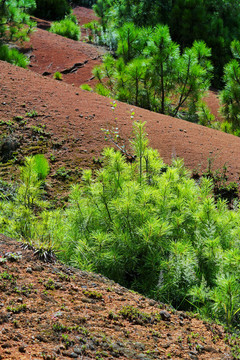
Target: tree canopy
{"points": [[152, 72], [13, 19], [217, 22]]}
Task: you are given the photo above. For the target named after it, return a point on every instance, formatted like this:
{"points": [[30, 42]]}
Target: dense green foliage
{"points": [[151, 72], [85, 3], [15, 25], [13, 56], [67, 27], [145, 225], [52, 9], [231, 92], [217, 22], [13, 18]]}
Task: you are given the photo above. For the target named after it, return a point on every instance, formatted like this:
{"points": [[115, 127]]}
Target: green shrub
{"points": [[66, 28], [57, 75], [51, 9], [13, 56], [86, 87], [146, 225]]}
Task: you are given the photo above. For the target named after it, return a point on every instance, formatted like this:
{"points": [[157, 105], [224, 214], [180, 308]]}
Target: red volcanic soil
{"points": [[84, 15], [73, 119], [74, 59], [50, 53], [213, 102], [51, 311]]}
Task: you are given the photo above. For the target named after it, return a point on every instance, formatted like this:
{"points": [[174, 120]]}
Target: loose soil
{"points": [[50, 311]]}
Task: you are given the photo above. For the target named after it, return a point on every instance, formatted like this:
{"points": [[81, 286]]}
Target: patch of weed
{"points": [[17, 309], [93, 294]]}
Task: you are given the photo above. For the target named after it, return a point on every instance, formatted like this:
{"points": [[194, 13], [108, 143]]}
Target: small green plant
{"points": [[62, 173], [65, 338], [13, 257], [50, 285], [93, 294], [156, 334], [6, 276], [63, 276], [3, 260], [17, 309], [57, 76], [18, 118], [52, 158], [132, 314], [38, 130], [58, 327], [32, 113], [113, 316], [86, 87]]}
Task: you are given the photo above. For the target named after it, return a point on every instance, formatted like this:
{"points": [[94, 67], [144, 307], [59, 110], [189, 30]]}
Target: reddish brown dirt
{"points": [[84, 15], [74, 59], [74, 118], [50, 311], [213, 102]]}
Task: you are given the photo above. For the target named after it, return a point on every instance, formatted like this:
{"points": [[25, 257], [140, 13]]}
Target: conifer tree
{"points": [[13, 20]]}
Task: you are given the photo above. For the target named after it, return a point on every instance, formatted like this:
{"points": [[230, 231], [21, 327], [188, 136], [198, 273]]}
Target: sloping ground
{"points": [[74, 59], [49, 311], [84, 15], [69, 122]]}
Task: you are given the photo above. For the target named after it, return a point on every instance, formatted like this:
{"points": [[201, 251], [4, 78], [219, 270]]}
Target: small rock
{"points": [[22, 349], [209, 349], [37, 268], [165, 315], [182, 315], [193, 356], [139, 346], [152, 303], [78, 350], [71, 355], [142, 357], [29, 270], [193, 352]]}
